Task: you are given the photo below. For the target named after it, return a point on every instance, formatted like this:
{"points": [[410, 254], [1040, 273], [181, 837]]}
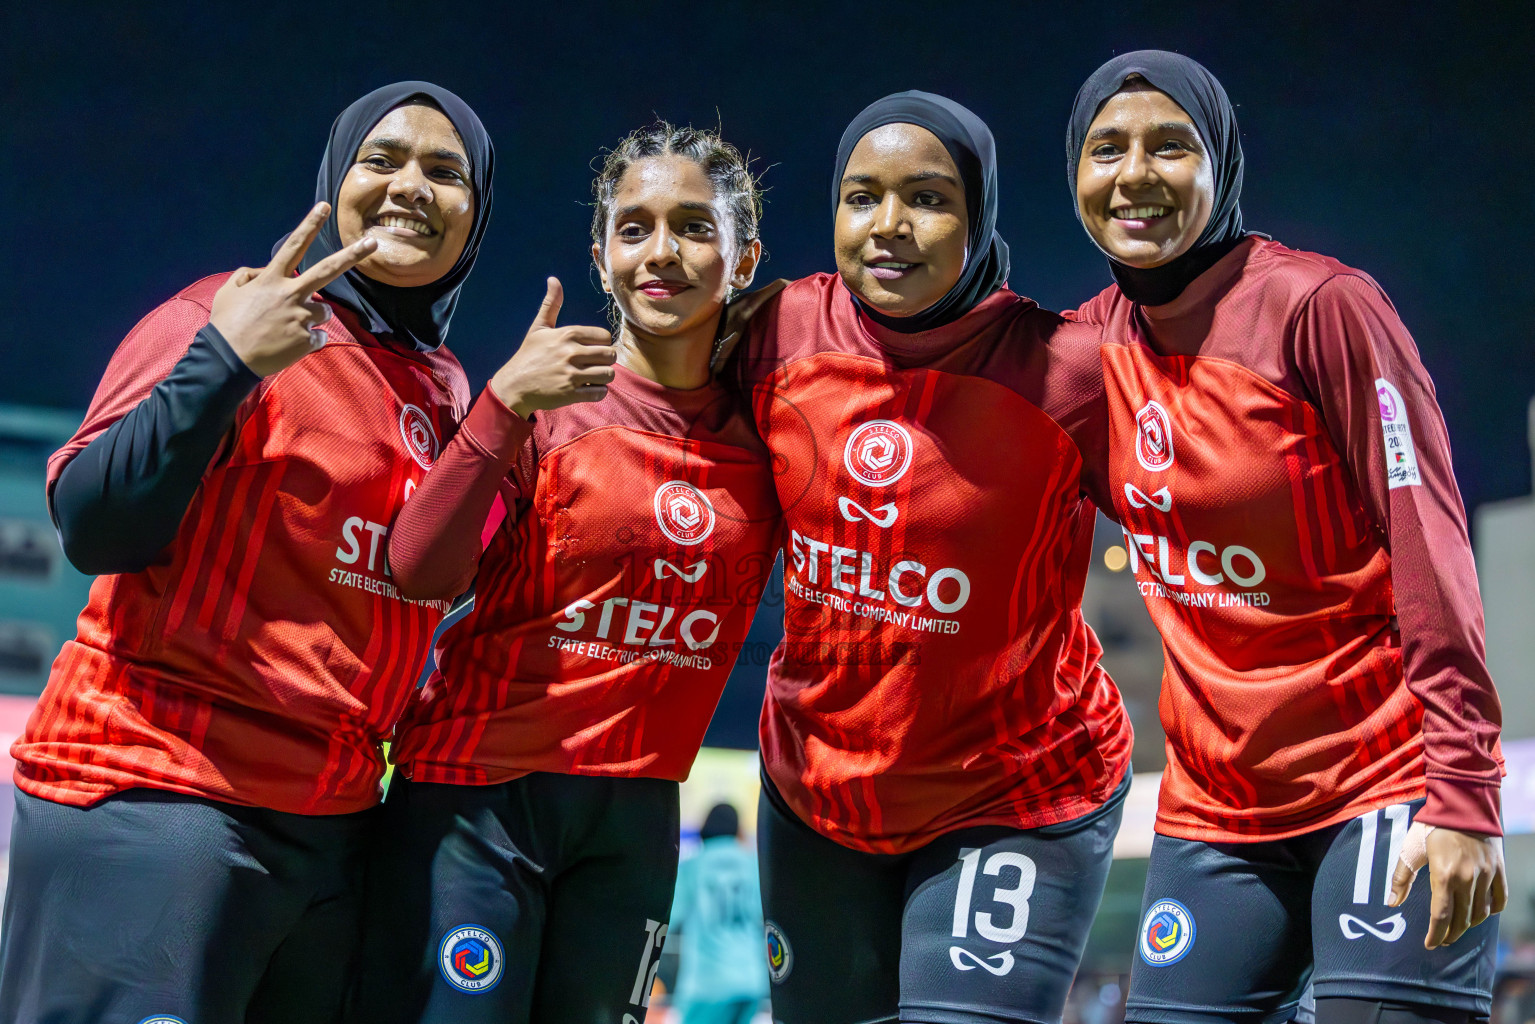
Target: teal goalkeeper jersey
{"points": [[717, 913]]}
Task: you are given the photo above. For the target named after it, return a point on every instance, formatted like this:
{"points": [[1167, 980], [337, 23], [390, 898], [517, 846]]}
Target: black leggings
{"points": [[1370, 1011], [543, 899]]}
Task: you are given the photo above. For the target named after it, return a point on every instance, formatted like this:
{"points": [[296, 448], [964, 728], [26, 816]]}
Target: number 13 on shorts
{"points": [[1005, 932]]}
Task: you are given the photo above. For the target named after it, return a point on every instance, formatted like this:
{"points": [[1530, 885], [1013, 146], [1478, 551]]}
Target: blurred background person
{"points": [[717, 913]]}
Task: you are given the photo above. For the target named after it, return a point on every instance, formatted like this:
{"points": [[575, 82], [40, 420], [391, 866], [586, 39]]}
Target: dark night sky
{"points": [[159, 143]]}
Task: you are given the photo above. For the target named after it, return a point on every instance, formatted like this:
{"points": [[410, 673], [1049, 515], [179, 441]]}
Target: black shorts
{"points": [[156, 906], [1233, 931], [542, 899], [980, 925]]}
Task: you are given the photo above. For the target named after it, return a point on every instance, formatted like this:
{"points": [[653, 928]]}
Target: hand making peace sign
{"points": [[268, 316]]}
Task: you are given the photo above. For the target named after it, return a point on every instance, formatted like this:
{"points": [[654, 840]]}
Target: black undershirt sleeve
{"points": [[119, 503]]}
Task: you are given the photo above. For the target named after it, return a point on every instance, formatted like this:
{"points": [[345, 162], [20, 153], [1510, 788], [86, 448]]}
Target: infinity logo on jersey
{"points": [[1354, 928], [1167, 933], [780, 958], [878, 453], [420, 438], [965, 960], [1153, 437], [683, 512], [470, 959], [692, 574], [1161, 499], [883, 517]]}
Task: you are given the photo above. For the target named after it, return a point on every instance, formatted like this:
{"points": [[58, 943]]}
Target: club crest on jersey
{"points": [[420, 438], [1167, 933], [470, 959], [162, 1018], [683, 512], [878, 453], [780, 958], [1154, 437]]}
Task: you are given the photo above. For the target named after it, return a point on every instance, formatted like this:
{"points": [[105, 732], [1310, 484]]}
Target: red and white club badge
{"points": [[1154, 437], [878, 453], [420, 438], [683, 512]]}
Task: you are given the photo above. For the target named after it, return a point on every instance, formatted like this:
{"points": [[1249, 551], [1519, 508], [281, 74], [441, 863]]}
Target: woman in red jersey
{"points": [[191, 785], [944, 758], [617, 549], [1281, 470]]}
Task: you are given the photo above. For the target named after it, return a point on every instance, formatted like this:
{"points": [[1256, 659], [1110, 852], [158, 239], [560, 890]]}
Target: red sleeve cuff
{"points": [[1464, 806], [495, 429]]}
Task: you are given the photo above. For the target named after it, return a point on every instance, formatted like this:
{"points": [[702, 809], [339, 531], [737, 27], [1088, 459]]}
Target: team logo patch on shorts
{"points": [[470, 958], [780, 958], [1167, 933]]}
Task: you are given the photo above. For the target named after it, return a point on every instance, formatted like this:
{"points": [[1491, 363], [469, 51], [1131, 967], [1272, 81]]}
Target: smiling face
{"points": [[668, 254], [902, 225], [409, 189], [1145, 184]]}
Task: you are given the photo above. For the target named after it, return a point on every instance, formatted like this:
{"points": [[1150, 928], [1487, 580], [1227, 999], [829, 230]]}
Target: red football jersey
{"points": [[936, 672], [610, 604], [1282, 472], [266, 655]]}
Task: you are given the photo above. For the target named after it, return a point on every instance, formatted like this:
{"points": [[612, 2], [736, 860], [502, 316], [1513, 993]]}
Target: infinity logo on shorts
{"points": [[1167, 933], [470, 959], [1354, 928], [965, 960]]}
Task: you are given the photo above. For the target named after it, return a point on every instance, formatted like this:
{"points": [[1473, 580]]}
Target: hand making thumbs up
{"points": [[556, 365]]}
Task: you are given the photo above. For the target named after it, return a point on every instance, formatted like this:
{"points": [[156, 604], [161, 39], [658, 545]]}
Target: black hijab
{"points": [[1195, 90], [417, 317], [969, 142]]}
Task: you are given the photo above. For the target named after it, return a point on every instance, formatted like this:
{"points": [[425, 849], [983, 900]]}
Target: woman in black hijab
{"points": [[944, 759], [970, 146], [1159, 279], [193, 785], [1331, 724]]}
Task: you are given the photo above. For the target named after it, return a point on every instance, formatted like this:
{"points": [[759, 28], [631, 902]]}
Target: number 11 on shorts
{"points": [[1400, 817]]}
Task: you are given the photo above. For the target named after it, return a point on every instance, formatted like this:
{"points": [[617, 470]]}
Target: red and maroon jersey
{"points": [[936, 672], [266, 655], [610, 604], [1283, 476]]}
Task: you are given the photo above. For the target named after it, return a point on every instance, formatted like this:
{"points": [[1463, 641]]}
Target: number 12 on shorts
{"points": [[1016, 896]]}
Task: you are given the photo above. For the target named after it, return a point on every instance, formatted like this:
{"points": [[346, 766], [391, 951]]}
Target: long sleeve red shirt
{"points": [[617, 550], [1283, 475]]}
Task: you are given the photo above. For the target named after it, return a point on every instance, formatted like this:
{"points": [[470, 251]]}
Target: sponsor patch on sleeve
{"points": [[1401, 456]]}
